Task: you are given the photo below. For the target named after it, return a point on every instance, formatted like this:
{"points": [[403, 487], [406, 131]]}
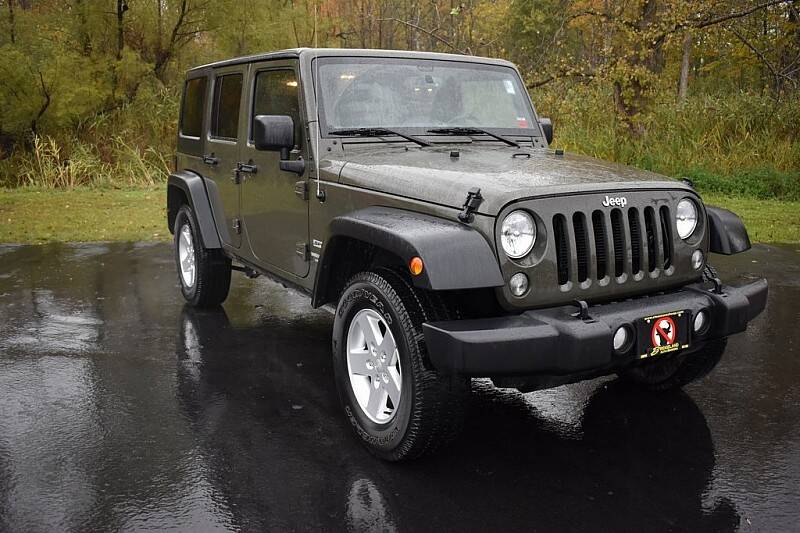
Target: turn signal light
{"points": [[415, 265]]}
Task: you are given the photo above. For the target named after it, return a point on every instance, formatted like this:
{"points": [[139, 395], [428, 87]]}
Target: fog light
{"points": [[700, 322], [697, 259], [621, 338], [518, 284]]}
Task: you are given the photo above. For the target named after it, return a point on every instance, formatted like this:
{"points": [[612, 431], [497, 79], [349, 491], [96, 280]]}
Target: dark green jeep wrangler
{"points": [[416, 196]]}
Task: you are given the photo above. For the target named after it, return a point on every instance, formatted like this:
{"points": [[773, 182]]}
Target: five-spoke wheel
{"points": [[398, 405], [373, 365], [204, 273], [186, 258]]}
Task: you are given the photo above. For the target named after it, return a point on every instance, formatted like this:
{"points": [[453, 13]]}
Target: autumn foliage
{"points": [[708, 89]]}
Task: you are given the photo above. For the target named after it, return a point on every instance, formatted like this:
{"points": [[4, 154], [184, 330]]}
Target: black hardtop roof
{"points": [[349, 52]]}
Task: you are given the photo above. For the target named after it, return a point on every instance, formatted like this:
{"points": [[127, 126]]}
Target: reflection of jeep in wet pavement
{"points": [[416, 193]]}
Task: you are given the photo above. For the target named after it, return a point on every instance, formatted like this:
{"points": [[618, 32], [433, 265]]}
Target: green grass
{"points": [[82, 214], [76, 215]]}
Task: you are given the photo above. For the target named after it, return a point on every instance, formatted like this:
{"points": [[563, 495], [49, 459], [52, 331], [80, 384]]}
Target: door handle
{"points": [[210, 159]]}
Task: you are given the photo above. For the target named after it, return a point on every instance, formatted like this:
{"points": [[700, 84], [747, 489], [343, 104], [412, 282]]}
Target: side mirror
{"points": [[547, 128], [275, 133]]}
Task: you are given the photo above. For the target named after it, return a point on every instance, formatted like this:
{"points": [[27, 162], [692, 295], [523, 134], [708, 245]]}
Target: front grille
{"points": [[623, 241]]}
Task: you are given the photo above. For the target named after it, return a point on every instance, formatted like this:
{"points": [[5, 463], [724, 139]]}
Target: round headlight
{"points": [[686, 218], [517, 234]]}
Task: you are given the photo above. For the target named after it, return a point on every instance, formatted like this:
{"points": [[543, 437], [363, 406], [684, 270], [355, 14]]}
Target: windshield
{"points": [[416, 95]]}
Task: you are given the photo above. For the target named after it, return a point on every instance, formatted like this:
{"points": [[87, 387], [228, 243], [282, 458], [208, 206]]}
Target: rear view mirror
{"points": [[274, 133], [547, 129]]}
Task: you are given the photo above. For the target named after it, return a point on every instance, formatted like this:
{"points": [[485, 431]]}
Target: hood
{"points": [[504, 174]]}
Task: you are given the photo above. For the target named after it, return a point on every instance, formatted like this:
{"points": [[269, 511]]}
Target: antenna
{"points": [[315, 63]]}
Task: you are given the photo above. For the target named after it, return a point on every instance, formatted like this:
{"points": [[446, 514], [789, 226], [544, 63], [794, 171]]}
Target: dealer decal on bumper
{"points": [[666, 333]]}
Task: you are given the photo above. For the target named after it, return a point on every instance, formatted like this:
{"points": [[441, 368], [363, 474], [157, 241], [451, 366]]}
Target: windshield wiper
{"points": [[377, 132], [474, 131]]}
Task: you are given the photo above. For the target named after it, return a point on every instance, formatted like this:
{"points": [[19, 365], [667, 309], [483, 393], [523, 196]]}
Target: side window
{"points": [[194, 97], [276, 93], [225, 110]]}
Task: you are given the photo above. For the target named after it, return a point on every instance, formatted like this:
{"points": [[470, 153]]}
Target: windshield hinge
{"points": [[471, 204]]}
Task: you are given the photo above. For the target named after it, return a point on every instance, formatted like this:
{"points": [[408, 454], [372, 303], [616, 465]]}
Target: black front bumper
{"points": [[555, 342]]}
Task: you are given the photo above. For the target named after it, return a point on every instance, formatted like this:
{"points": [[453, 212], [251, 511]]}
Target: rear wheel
{"points": [[399, 407], [204, 274]]}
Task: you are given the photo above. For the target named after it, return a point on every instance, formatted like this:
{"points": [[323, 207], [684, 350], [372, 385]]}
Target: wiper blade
{"points": [[474, 131], [377, 132]]}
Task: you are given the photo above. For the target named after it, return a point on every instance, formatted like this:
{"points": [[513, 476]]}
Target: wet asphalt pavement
{"points": [[121, 409]]}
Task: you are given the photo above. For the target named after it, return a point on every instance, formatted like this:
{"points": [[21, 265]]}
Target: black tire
{"points": [[212, 267], [675, 372], [431, 406]]}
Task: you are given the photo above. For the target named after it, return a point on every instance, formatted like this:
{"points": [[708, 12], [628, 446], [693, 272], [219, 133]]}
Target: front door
{"points": [[274, 210], [223, 147]]}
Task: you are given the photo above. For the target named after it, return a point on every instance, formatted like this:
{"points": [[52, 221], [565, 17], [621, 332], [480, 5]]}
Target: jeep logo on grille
{"points": [[619, 201]]}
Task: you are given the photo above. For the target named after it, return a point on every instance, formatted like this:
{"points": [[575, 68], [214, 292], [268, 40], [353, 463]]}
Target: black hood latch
{"points": [[471, 204]]}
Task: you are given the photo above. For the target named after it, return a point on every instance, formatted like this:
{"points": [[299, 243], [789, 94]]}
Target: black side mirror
{"points": [[547, 128], [273, 133], [276, 133]]}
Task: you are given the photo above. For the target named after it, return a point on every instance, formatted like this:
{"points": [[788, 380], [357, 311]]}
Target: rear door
{"points": [[222, 149], [274, 209]]}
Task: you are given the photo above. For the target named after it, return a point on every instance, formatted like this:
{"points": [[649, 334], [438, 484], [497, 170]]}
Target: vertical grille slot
{"points": [[619, 242], [650, 231], [636, 240], [581, 246], [666, 235], [599, 227], [562, 248]]}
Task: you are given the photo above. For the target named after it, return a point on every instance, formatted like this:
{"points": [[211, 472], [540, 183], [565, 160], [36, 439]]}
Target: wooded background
{"points": [[706, 89]]}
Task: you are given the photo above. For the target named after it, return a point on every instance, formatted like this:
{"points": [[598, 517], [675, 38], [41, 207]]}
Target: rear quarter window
{"points": [[194, 96]]}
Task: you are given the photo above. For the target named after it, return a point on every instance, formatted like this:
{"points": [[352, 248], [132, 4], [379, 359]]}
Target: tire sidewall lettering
{"points": [[389, 436]]}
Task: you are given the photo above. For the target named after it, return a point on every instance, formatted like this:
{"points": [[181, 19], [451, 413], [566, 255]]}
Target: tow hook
{"points": [[583, 310], [717, 285]]}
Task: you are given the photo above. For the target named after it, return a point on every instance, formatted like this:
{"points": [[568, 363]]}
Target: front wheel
{"points": [[399, 407], [204, 273]]}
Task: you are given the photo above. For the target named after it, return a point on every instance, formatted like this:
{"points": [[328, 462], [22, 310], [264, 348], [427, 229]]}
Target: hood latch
{"points": [[471, 204]]}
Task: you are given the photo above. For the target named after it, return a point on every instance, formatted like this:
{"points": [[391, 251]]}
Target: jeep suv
{"points": [[416, 196]]}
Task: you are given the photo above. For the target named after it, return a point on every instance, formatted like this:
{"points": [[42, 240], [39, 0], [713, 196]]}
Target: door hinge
{"points": [[237, 226], [247, 168], [243, 168], [301, 249], [301, 190]]}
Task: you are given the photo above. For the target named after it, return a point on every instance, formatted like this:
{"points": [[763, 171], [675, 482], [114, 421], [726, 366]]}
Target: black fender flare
{"points": [[192, 186], [727, 232], [455, 256]]}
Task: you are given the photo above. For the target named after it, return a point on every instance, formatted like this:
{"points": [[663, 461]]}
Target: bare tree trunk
{"points": [[683, 84], [160, 27], [83, 30], [166, 53], [42, 108], [11, 22], [122, 7]]}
